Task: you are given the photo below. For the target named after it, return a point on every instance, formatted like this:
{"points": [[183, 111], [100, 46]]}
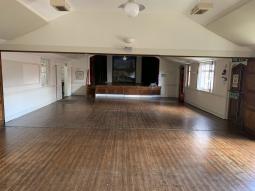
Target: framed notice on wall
{"points": [[235, 82], [79, 75]]}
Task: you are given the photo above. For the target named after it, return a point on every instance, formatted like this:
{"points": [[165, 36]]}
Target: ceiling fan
{"points": [[132, 8]]}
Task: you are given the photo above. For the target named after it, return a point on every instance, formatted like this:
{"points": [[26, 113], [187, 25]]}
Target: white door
{"points": [[59, 82]]}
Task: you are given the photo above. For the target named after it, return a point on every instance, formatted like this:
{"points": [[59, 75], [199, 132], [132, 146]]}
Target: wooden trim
{"points": [[126, 54], [127, 90], [249, 107], [2, 121], [250, 73]]}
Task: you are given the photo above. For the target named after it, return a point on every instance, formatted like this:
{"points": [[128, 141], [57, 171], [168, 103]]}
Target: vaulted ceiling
{"points": [[43, 8], [17, 20], [165, 28], [237, 26]]}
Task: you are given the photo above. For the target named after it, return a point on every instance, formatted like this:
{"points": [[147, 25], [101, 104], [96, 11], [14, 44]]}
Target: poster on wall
{"points": [[79, 75]]}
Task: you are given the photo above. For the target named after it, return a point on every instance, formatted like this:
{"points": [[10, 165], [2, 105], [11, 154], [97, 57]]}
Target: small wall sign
{"points": [[79, 75], [235, 81]]}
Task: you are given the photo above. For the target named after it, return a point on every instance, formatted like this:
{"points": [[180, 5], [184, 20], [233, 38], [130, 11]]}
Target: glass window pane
{"points": [[206, 76]]}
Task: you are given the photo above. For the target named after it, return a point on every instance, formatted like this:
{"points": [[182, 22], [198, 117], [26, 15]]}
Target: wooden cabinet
{"points": [[249, 98], [1, 96], [236, 95]]}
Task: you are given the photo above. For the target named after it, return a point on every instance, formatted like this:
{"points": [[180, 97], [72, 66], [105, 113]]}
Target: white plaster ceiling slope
{"points": [[237, 26], [220, 8], [43, 8], [17, 20], [158, 34], [2, 41], [96, 26]]}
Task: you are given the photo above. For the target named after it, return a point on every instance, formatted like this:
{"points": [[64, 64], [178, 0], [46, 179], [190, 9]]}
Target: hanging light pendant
{"points": [[132, 9]]}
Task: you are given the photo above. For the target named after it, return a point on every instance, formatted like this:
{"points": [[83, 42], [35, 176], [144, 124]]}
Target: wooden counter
{"points": [[127, 90]]}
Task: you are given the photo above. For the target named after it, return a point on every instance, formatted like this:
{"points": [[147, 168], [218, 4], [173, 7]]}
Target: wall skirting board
{"points": [[217, 114]]}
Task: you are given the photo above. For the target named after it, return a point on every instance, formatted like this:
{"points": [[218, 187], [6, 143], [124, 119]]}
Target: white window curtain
{"points": [[188, 75], [44, 72], [206, 76]]}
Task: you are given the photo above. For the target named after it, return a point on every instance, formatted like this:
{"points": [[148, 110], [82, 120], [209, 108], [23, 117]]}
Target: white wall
{"points": [[215, 102], [78, 87], [168, 78], [23, 92]]}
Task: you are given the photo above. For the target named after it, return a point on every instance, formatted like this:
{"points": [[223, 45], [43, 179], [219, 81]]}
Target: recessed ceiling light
{"points": [[201, 8]]}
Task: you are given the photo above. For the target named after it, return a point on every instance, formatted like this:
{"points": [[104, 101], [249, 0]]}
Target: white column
{"points": [[109, 69], [139, 69]]}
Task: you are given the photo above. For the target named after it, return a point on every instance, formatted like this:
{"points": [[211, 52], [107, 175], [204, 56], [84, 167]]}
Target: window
{"points": [[188, 75], [205, 76], [44, 72]]}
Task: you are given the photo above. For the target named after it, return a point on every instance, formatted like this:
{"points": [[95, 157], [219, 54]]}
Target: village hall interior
{"points": [[127, 95]]}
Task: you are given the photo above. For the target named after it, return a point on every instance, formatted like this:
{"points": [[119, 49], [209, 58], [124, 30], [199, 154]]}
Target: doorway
{"points": [[98, 70], [150, 70], [65, 83], [2, 117], [181, 84]]}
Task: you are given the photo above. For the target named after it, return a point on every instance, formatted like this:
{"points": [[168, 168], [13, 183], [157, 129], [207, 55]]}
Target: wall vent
{"points": [[60, 5], [201, 8]]}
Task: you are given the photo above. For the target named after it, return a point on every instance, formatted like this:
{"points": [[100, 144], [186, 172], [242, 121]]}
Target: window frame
{"points": [[208, 74], [44, 72]]}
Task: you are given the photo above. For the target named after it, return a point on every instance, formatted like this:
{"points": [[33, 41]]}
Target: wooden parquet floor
{"points": [[124, 145]]}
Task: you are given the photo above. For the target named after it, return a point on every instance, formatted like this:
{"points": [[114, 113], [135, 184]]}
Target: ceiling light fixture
{"points": [[131, 8], [129, 40]]}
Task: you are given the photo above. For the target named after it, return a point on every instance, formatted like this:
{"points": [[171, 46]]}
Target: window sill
{"points": [[209, 92]]}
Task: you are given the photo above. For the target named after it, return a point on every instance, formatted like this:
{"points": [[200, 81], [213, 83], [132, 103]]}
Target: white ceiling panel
{"points": [[2, 41], [16, 20], [238, 26], [43, 9]]}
